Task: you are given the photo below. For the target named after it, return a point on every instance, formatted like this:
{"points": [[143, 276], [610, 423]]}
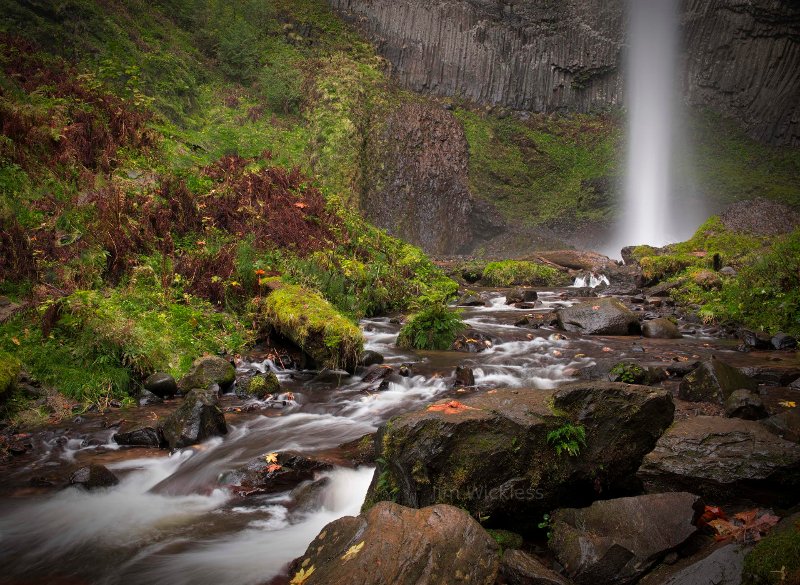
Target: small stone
{"points": [[93, 477], [783, 341], [745, 404]]}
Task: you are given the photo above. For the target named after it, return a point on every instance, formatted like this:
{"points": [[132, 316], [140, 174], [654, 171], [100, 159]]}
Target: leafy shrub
{"points": [[434, 327], [519, 272]]}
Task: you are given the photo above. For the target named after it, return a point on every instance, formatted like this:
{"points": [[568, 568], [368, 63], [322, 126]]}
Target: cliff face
{"points": [[742, 56]]}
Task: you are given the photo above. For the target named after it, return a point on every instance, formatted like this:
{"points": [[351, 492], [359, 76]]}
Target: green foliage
{"points": [[506, 539], [519, 272], [777, 554], [629, 373], [547, 525], [433, 327], [9, 370], [568, 438]]}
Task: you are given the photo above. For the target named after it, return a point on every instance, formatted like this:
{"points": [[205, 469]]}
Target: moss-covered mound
{"points": [[522, 272], [311, 322], [9, 370], [775, 559]]}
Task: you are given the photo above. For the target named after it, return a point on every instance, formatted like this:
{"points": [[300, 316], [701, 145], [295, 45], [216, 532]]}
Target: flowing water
{"points": [[172, 520]]}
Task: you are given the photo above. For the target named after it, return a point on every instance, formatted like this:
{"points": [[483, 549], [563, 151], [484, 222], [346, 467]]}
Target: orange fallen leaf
{"points": [[272, 468], [200, 242], [301, 205], [747, 526], [451, 407], [260, 272]]}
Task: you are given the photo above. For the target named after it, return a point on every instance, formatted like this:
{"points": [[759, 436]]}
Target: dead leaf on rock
{"points": [[788, 404], [452, 407], [271, 457], [747, 526], [353, 551], [302, 576]]}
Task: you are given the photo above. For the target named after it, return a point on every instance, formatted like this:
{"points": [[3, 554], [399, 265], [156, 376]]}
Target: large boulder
{"points": [[93, 477], [260, 386], [714, 381], [661, 328], [724, 457], [601, 317], [490, 454], [197, 419], [519, 568], [721, 567], [402, 546], [140, 437], [274, 472], [162, 385], [206, 371], [616, 541]]}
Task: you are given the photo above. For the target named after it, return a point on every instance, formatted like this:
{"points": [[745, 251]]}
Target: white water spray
{"points": [[651, 96]]}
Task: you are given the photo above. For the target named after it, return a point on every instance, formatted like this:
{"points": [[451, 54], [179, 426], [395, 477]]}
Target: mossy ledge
{"points": [[313, 324], [9, 370]]}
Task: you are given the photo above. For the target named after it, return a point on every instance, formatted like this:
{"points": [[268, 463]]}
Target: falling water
{"points": [[651, 97]]}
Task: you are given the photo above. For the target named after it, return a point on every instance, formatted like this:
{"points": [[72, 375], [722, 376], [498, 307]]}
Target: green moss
{"points": [[629, 373], [776, 554], [519, 272], [506, 539], [261, 385], [9, 370], [332, 340], [434, 327]]}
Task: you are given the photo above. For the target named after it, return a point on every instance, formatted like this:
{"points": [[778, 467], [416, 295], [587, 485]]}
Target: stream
{"points": [[171, 520]]}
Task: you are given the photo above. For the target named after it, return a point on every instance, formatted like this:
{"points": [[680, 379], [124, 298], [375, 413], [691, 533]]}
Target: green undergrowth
{"points": [[433, 327], [521, 272], [331, 340], [775, 559], [763, 295], [97, 344]]}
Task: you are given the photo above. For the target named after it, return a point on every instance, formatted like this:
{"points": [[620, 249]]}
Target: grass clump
{"points": [[433, 327], [313, 324], [521, 272]]}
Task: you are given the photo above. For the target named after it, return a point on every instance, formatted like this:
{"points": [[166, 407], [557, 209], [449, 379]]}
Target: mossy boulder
{"points": [[714, 381], [402, 546], [259, 386], [634, 373], [9, 371], [199, 418], [606, 316], [777, 554], [206, 371], [490, 454], [523, 273], [314, 325], [660, 328]]}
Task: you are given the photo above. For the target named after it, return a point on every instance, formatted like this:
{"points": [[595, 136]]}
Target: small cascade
{"points": [[591, 281]]}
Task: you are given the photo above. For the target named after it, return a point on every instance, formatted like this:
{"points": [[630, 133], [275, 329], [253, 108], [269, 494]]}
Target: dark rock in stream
{"points": [[370, 358], [722, 458], [606, 316], [520, 568], [783, 341], [617, 541], [464, 377], [274, 472], [402, 546], [93, 477], [490, 453], [197, 419], [147, 398], [521, 295], [745, 404], [260, 386], [660, 328], [755, 339], [140, 437], [714, 381], [472, 341], [208, 370], [471, 301], [785, 424], [161, 384]]}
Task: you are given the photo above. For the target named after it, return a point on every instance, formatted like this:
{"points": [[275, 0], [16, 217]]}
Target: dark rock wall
{"points": [[742, 56]]}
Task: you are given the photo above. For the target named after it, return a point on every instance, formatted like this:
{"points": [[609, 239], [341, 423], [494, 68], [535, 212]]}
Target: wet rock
{"points": [[359, 452], [208, 370], [93, 477], [616, 541], [527, 306], [634, 373], [161, 384], [520, 568], [405, 370], [537, 320], [140, 437], [605, 316], [745, 404], [721, 567], [146, 398], [309, 495], [370, 358], [464, 377], [521, 295], [490, 452], [679, 369], [660, 328], [471, 301], [472, 341], [274, 472], [401, 546], [714, 381], [724, 457], [260, 386], [197, 419], [377, 374], [783, 341], [755, 339], [785, 424]]}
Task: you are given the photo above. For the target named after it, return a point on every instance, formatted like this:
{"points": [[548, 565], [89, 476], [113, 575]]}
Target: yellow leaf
{"points": [[15, 340], [271, 458], [353, 551], [301, 576], [788, 404]]}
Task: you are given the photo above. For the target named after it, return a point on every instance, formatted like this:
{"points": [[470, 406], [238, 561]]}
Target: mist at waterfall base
{"points": [[661, 205]]}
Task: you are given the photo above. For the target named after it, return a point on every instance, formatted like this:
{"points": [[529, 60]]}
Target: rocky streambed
{"points": [[592, 437]]}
